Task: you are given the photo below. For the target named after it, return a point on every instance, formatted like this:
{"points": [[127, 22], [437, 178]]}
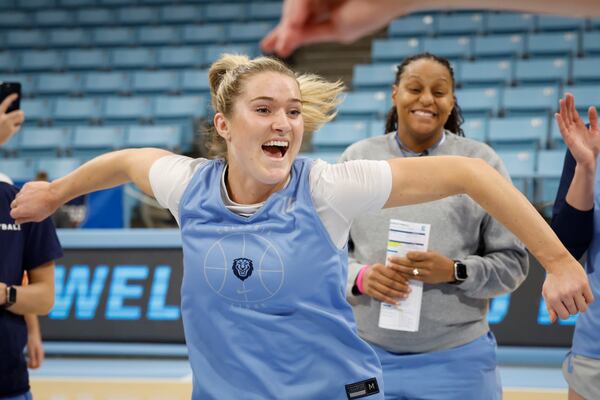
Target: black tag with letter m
{"points": [[360, 389]]}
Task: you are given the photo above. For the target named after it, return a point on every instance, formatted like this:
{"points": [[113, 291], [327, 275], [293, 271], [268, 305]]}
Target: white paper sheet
{"points": [[404, 237]]}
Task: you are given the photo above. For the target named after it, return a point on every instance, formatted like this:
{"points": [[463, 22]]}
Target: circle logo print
{"points": [[244, 267]]}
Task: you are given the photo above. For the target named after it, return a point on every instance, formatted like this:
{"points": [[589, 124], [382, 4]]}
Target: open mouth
{"points": [[424, 113], [275, 148]]}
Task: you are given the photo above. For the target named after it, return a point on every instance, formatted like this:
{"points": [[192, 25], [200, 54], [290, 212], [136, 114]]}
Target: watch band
{"points": [[11, 296]]}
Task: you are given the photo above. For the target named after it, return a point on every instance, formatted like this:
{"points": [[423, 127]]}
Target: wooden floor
{"points": [[169, 389]]}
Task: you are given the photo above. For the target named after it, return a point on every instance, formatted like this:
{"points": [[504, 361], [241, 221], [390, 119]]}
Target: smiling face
{"points": [[263, 135], [424, 99]]}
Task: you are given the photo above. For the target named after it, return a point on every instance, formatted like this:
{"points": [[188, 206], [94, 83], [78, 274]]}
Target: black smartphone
{"points": [[8, 88]]}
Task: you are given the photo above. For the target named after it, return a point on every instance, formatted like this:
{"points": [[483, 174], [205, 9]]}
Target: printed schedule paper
{"points": [[404, 237]]}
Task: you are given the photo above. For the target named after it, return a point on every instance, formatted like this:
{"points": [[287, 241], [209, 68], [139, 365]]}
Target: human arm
{"points": [[38, 296], [38, 200], [11, 122], [35, 349], [306, 22], [425, 179], [573, 211]]}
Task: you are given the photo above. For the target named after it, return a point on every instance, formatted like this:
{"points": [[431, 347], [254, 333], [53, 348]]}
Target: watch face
{"points": [[11, 295], [461, 271]]}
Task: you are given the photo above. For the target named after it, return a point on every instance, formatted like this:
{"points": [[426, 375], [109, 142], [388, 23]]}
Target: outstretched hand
{"points": [[583, 142], [306, 22], [35, 202]]}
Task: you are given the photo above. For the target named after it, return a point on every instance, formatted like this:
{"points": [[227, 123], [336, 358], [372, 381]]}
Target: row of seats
{"points": [[112, 108], [184, 34], [88, 141], [480, 101], [38, 4], [511, 133], [23, 170], [486, 72], [119, 58], [461, 47], [162, 14], [429, 24]]}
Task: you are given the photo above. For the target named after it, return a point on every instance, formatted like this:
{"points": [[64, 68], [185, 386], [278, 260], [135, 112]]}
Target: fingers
{"points": [[593, 116], [587, 294], [551, 313], [7, 102], [580, 303]]}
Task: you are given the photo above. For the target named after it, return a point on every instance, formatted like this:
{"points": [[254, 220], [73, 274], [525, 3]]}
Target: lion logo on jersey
{"points": [[242, 268]]}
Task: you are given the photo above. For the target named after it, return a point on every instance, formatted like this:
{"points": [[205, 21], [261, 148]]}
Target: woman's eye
{"points": [[413, 90], [262, 110], [295, 113]]}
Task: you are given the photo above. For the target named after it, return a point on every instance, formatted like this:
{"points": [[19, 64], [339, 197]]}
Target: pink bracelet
{"points": [[359, 279]]}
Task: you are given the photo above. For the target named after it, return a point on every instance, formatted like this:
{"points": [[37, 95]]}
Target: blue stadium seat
{"points": [[15, 19], [35, 4], [530, 99], [248, 32], [86, 59], [413, 25], [115, 3], [175, 107], [499, 45], [58, 83], [553, 43], [180, 13], [37, 110], [158, 35], [106, 82], [380, 76], [213, 33], [264, 10], [195, 81], [44, 142], [585, 96], [77, 109], [485, 72], [155, 82], [556, 140], [449, 47], [460, 23], [180, 57], [114, 36], [549, 169], [32, 38], [77, 3], [96, 16], [213, 52], [136, 15], [377, 127], [586, 69], [225, 12], [475, 128], [394, 49], [591, 42], [365, 104], [28, 82], [518, 133], [20, 170], [478, 101], [68, 37], [338, 135], [554, 23], [41, 60], [510, 22], [57, 167], [91, 141], [162, 136], [127, 108], [542, 70], [521, 168], [8, 61], [10, 147], [55, 17], [133, 58]]}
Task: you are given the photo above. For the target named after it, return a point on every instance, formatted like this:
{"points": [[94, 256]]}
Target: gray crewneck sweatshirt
{"points": [[451, 315]]}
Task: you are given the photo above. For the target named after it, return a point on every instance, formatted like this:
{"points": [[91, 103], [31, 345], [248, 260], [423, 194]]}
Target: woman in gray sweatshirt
{"points": [[471, 258]]}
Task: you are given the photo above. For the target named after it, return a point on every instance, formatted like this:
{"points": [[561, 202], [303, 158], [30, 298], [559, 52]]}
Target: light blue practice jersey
{"points": [[263, 299]]}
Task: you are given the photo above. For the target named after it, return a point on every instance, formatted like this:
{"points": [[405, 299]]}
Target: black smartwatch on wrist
{"points": [[11, 296], [460, 272]]}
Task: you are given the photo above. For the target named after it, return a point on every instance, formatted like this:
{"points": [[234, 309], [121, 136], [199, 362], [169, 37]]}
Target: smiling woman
{"points": [[264, 235]]}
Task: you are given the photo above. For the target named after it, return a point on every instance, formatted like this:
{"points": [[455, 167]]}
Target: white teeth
{"points": [[423, 113], [279, 143]]}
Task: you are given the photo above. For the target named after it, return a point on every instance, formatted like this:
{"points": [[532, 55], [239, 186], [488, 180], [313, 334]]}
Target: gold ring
{"points": [[415, 271]]}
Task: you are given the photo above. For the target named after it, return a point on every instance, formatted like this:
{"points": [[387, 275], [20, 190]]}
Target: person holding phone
{"points": [[264, 234], [11, 117]]}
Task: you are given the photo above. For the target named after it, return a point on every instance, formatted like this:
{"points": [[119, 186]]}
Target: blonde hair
{"points": [[227, 75]]}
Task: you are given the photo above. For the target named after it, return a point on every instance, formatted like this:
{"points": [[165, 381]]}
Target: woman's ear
{"points": [[222, 126]]}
